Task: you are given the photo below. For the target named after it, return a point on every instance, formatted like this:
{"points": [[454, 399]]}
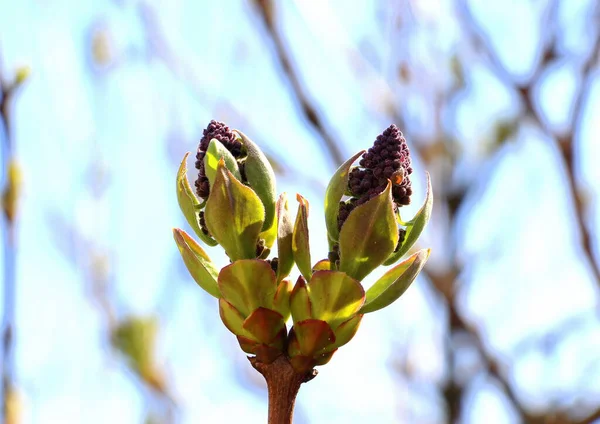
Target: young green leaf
{"points": [[334, 297], [232, 318], [313, 335], [189, 204], [234, 215], [300, 302], [215, 152], [415, 226], [333, 195], [346, 331], [261, 178], [394, 282], [281, 300], [368, 236], [264, 324], [248, 284], [300, 244], [197, 262], [285, 232]]}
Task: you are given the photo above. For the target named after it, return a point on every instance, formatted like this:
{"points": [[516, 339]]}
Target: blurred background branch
{"points": [[10, 197], [497, 102]]}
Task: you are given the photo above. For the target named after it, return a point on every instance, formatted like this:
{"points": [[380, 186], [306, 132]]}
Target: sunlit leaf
{"points": [[232, 318], [333, 195], [261, 178], [281, 301], [214, 153], [300, 302], [248, 284], [264, 324], [415, 226], [394, 282], [334, 296], [285, 232], [346, 330], [189, 204], [313, 335], [368, 236], [234, 215], [300, 239], [199, 265]]}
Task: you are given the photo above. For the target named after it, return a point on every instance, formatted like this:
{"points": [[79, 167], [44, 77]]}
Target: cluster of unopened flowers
{"points": [[235, 205]]}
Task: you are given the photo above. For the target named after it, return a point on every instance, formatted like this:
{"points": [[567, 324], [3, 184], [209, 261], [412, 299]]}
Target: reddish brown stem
{"points": [[283, 383]]}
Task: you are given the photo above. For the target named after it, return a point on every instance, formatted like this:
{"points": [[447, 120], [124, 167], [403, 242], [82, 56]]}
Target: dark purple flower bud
{"points": [[221, 132], [388, 159]]}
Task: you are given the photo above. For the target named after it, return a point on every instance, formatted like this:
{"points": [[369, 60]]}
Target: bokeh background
{"points": [[499, 101]]}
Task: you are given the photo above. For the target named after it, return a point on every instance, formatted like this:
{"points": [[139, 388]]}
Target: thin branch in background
{"points": [[307, 107], [159, 47], [10, 194], [445, 282], [565, 142]]}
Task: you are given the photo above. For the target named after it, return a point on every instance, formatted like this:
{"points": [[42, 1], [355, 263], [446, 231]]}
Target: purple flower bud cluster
{"points": [[222, 133], [388, 159]]}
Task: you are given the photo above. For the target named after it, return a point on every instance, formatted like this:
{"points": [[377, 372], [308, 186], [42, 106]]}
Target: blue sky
{"points": [[126, 127]]}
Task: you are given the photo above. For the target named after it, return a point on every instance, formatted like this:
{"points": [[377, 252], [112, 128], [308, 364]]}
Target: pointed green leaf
{"points": [[368, 236], [346, 331], [281, 301], [234, 215], [261, 178], [300, 302], [233, 320], [415, 226], [189, 204], [334, 296], [313, 335], [394, 282], [197, 262], [248, 284], [215, 152], [333, 195], [285, 232], [300, 244], [264, 324]]}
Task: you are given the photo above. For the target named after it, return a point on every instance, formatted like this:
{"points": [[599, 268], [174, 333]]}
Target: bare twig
{"points": [[305, 103], [9, 200], [564, 142]]}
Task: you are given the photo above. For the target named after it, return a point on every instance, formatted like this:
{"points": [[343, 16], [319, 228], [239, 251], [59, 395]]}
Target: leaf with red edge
{"points": [[300, 302], [248, 284], [264, 324], [334, 297], [346, 331], [248, 345], [231, 317], [313, 335], [281, 301], [322, 265]]}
